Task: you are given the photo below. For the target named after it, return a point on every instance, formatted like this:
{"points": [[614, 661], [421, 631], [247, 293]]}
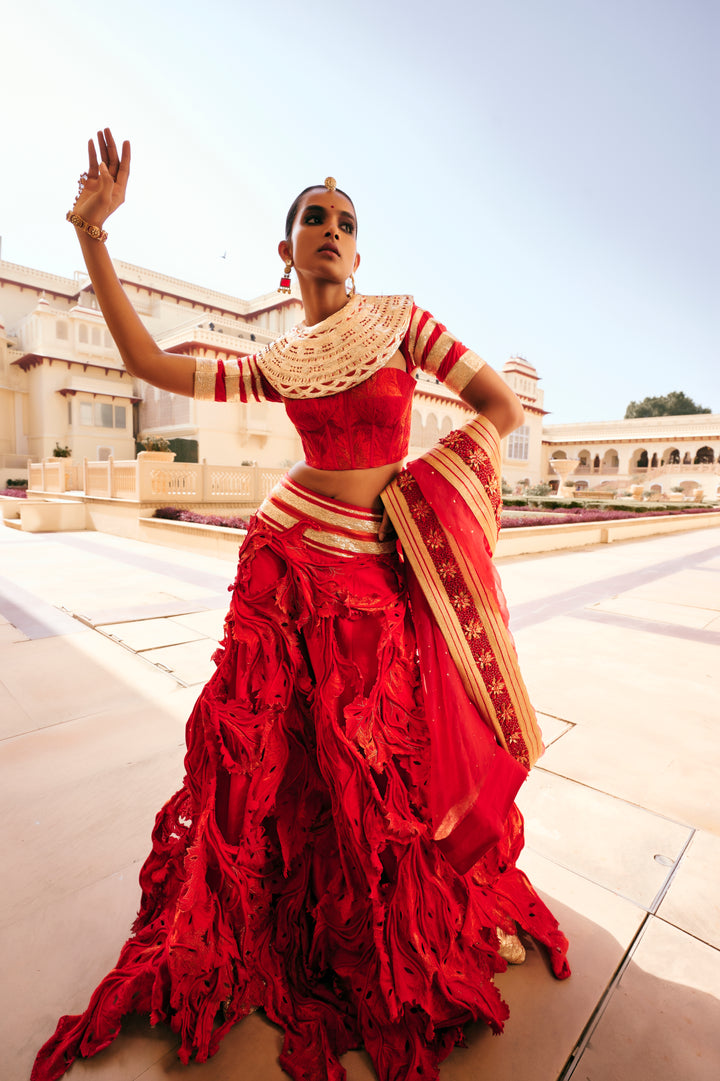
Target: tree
{"points": [[674, 404]]}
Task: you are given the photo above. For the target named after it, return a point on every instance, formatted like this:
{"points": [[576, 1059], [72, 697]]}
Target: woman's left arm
{"points": [[488, 393]]}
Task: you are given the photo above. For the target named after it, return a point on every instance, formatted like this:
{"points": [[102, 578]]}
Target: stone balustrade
{"points": [[152, 479]]}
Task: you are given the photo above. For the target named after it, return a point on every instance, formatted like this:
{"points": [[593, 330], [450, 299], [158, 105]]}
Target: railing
{"points": [[149, 480], [700, 467], [56, 475]]}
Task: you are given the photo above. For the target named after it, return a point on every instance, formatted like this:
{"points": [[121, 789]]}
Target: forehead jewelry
{"points": [[330, 183]]}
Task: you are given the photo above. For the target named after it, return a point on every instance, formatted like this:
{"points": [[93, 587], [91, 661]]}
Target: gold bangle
{"points": [[93, 231]]}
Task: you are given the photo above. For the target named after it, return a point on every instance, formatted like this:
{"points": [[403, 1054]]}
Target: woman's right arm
{"points": [[102, 193]]}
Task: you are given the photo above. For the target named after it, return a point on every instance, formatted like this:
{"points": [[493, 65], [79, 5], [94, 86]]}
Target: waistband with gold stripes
{"points": [[330, 526]]}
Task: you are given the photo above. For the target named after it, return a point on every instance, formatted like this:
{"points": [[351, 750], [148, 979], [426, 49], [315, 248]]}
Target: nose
{"points": [[333, 231]]}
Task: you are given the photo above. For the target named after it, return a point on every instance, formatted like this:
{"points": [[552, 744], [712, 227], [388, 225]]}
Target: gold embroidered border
{"points": [[205, 372], [336, 542], [322, 539], [463, 371], [232, 380], [322, 514]]}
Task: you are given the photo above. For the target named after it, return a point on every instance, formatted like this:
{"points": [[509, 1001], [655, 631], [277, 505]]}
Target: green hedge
{"points": [[186, 450]]}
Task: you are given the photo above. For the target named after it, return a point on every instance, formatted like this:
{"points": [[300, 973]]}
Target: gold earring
{"points": [[351, 290], [284, 286]]}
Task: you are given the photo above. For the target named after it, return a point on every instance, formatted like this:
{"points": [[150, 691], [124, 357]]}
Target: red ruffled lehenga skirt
{"points": [[295, 870]]}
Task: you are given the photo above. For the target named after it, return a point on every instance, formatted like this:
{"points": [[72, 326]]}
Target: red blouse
{"points": [[367, 425], [364, 426]]}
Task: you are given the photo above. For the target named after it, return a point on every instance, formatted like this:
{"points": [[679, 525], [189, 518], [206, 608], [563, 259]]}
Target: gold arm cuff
{"points": [[205, 372], [232, 381], [463, 370]]}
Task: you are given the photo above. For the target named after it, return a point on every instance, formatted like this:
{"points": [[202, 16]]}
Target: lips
{"points": [[329, 247]]}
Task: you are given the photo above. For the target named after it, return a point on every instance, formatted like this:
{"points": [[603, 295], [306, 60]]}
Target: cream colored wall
{"points": [[255, 432]]}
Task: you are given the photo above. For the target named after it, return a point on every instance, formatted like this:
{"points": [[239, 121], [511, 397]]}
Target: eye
{"points": [[312, 218], [348, 227]]}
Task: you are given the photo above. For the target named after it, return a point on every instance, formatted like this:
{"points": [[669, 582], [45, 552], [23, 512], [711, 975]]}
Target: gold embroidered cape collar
{"points": [[340, 352]]}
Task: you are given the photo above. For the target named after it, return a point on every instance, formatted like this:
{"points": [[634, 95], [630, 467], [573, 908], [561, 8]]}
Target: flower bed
{"points": [[510, 520], [573, 516], [14, 493], [175, 514]]}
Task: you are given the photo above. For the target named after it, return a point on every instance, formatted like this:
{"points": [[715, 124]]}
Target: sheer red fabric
{"points": [[295, 869]]}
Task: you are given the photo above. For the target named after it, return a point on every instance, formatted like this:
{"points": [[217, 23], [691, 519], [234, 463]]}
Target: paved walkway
{"points": [[103, 646]]}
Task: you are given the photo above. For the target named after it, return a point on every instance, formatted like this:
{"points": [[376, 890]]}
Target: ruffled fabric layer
{"points": [[295, 869]]}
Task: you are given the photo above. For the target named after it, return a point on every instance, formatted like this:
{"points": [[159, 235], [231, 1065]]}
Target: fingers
{"points": [[386, 531], [92, 158], [117, 168], [112, 154], [124, 168]]}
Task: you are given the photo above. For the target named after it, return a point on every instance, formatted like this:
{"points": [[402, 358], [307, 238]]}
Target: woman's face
{"points": [[322, 243]]}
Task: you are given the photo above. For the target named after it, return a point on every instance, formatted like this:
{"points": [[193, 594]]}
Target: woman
{"points": [[342, 852]]}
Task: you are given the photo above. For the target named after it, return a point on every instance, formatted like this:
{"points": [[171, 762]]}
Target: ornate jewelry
{"points": [[81, 187], [330, 183], [93, 231], [284, 286], [340, 352], [351, 291]]}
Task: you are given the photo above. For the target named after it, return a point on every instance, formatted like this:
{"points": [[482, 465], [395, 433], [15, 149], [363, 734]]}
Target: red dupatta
{"points": [[445, 508]]}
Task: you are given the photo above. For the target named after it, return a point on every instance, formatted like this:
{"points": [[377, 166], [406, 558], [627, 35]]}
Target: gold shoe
{"points": [[510, 947]]}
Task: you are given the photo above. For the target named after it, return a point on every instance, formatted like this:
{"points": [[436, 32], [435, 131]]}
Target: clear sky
{"points": [[542, 175]]}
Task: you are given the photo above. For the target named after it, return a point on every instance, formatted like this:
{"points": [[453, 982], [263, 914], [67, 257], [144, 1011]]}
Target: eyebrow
{"points": [[315, 208]]}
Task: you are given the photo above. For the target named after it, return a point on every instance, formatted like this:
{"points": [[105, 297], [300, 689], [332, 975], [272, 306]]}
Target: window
{"points": [[96, 335], [61, 329], [518, 444], [104, 415], [82, 333]]}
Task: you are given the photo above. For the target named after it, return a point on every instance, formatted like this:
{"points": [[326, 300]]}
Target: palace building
{"points": [[62, 384]]}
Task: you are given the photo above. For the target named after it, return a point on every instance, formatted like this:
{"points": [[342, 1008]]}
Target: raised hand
{"points": [[103, 186]]}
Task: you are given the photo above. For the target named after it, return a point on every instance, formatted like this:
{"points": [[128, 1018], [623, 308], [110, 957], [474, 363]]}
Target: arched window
{"points": [[446, 427], [705, 456], [82, 333], [673, 457], [61, 329], [642, 460], [654, 461], [687, 460]]}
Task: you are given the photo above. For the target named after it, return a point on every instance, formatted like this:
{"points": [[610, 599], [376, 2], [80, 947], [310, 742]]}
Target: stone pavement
{"points": [[104, 644]]}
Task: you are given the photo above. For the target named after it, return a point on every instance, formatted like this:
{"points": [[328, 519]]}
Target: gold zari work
{"points": [[340, 352], [205, 372]]}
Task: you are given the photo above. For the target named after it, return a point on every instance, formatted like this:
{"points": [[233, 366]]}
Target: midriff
{"points": [[360, 487]]}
